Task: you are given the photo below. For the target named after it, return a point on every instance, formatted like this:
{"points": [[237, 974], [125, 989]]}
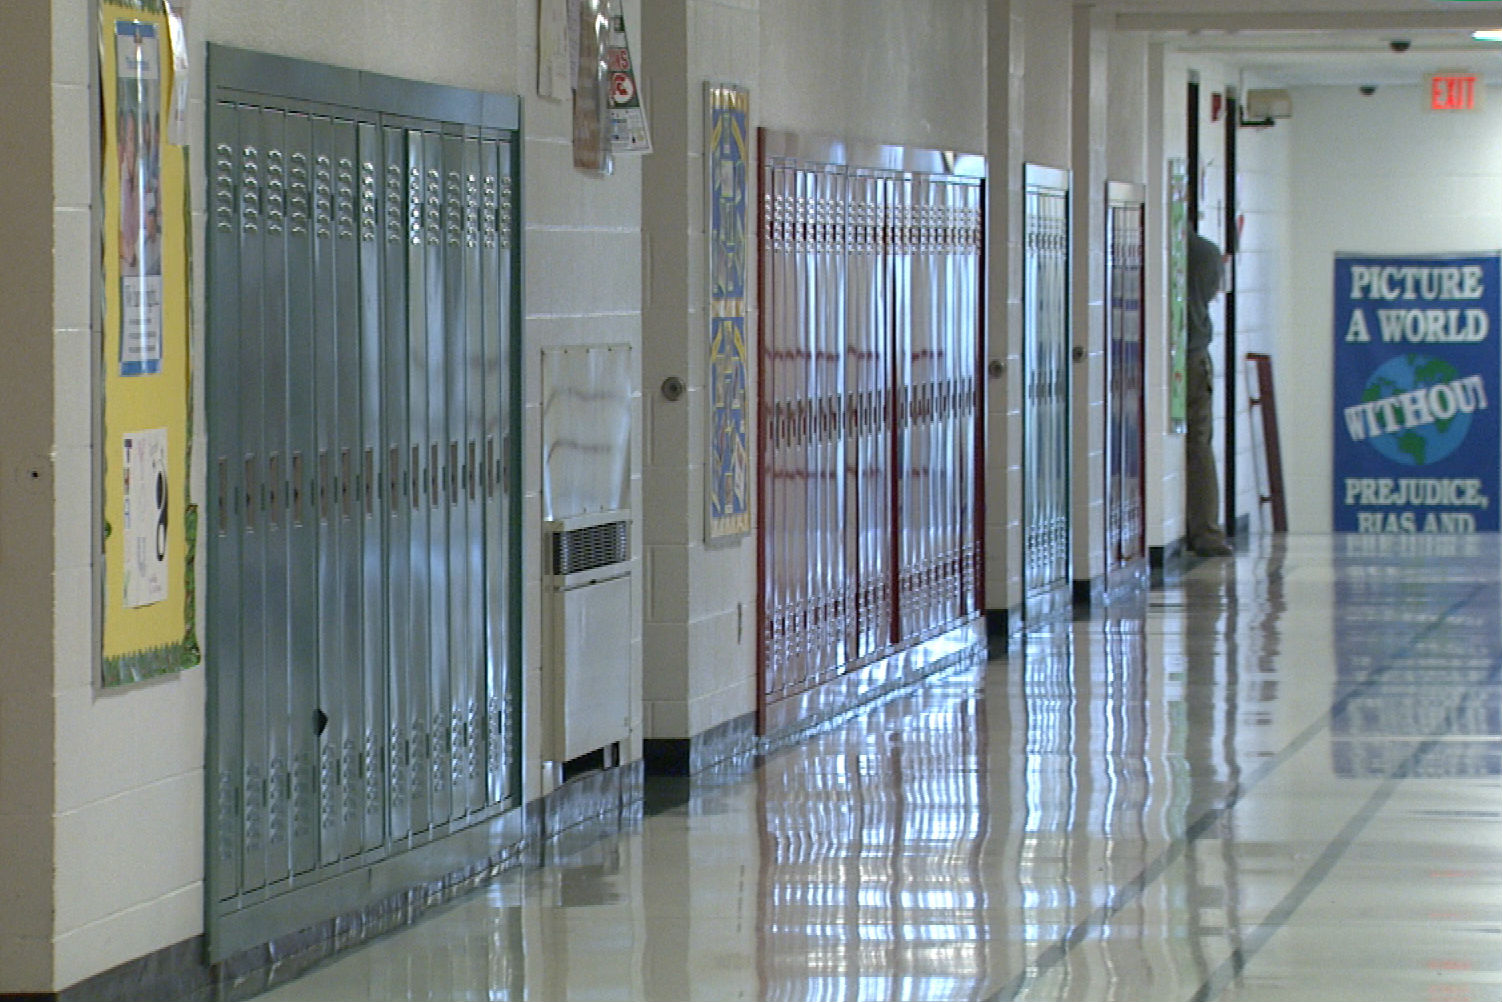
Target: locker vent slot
{"points": [[590, 547]]}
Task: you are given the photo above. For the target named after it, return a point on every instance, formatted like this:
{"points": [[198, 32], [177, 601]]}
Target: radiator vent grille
{"points": [[574, 550]]}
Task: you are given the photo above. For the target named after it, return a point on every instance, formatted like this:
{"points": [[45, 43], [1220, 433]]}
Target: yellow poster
{"points": [[148, 533]]}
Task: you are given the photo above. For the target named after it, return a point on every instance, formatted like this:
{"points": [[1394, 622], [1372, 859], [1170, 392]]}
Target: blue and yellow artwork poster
{"points": [[1416, 371], [728, 489], [727, 196]]}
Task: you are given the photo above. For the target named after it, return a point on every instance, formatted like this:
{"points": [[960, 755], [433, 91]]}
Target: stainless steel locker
{"points": [[869, 377], [261, 814], [225, 522], [500, 451], [372, 500], [1126, 542], [397, 480], [871, 311], [1045, 414], [340, 499], [427, 148], [457, 668], [827, 448], [289, 188], [362, 552]]}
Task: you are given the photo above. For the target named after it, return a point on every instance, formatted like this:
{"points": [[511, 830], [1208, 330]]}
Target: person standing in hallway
{"points": [[1203, 282]]}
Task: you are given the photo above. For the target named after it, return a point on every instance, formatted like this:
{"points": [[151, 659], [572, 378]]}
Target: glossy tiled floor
{"points": [[1280, 779]]}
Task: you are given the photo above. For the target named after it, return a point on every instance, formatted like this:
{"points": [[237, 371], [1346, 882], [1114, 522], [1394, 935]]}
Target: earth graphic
{"points": [[1427, 443]]}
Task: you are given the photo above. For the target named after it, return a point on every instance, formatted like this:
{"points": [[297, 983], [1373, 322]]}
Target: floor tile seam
{"points": [[1100, 917], [1279, 916]]}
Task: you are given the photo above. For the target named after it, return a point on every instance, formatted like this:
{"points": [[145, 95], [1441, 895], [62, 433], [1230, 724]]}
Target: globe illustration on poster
{"points": [[1421, 444]]}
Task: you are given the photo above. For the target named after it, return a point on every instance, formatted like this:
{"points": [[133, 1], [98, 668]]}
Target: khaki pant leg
{"points": [[1202, 495]]}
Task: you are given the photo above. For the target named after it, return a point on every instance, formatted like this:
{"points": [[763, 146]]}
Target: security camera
{"points": [[1399, 44], [1368, 90]]}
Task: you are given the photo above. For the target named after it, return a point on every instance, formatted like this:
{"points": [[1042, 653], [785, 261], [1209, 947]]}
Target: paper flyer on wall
{"points": [[628, 119], [555, 43], [147, 494]]}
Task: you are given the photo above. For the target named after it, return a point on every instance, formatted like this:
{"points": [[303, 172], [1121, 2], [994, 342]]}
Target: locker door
{"points": [[290, 186], [374, 504], [1125, 501], [826, 397], [427, 149], [912, 353], [967, 304], [225, 532], [400, 481], [340, 499], [787, 521], [868, 362], [280, 655], [362, 377], [502, 726], [1045, 414], [461, 671], [470, 782]]}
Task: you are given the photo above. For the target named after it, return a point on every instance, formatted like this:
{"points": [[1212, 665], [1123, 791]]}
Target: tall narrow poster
{"points": [[1416, 372], [147, 540], [729, 466], [138, 159]]}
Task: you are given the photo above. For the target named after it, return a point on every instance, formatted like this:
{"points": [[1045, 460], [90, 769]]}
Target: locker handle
{"points": [[435, 485], [323, 485], [469, 471], [297, 488], [369, 481], [453, 473], [393, 474], [344, 484], [490, 469], [250, 492], [273, 480], [416, 477], [223, 500], [320, 722]]}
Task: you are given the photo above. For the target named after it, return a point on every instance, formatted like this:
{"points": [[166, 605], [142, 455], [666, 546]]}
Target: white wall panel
{"points": [[1380, 175]]}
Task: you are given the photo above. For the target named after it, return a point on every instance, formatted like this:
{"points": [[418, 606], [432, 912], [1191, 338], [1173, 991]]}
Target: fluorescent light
{"points": [[1487, 35]]}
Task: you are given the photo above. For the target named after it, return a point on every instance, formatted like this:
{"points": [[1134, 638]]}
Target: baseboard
{"points": [[688, 756], [583, 810], [1002, 626]]}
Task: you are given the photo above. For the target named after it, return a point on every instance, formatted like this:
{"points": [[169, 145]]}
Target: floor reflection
{"points": [[1278, 780]]}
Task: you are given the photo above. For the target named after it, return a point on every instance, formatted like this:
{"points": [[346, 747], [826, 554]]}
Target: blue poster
{"points": [[1416, 405]]}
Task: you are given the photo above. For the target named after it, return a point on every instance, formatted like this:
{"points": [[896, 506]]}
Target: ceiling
{"points": [[1289, 43], [1332, 57]]}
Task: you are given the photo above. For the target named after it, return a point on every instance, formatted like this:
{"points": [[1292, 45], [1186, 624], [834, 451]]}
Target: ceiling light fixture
{"points": [[1487, 35]]}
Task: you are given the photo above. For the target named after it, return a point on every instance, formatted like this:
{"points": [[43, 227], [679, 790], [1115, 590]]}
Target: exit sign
{"points": [[1453, 91]]}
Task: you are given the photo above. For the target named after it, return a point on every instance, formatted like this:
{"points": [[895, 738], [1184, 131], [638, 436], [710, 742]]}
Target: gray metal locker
{"points": [[361, 383]]}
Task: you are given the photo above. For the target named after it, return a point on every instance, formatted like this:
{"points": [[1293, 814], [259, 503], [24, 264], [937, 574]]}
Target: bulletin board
{"points": [[148, 535]]}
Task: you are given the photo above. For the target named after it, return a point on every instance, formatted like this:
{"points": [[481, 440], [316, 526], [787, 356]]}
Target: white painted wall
{"points": [[128, 816], [1382, 175], [896, 71], [1264, 194], [700, 630]]}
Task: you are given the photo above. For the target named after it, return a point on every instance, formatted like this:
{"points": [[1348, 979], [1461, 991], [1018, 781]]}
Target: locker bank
{"points": [[674, 500]]}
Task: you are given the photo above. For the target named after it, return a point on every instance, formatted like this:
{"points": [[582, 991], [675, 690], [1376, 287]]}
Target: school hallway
{"points": [[1276, 778]]}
